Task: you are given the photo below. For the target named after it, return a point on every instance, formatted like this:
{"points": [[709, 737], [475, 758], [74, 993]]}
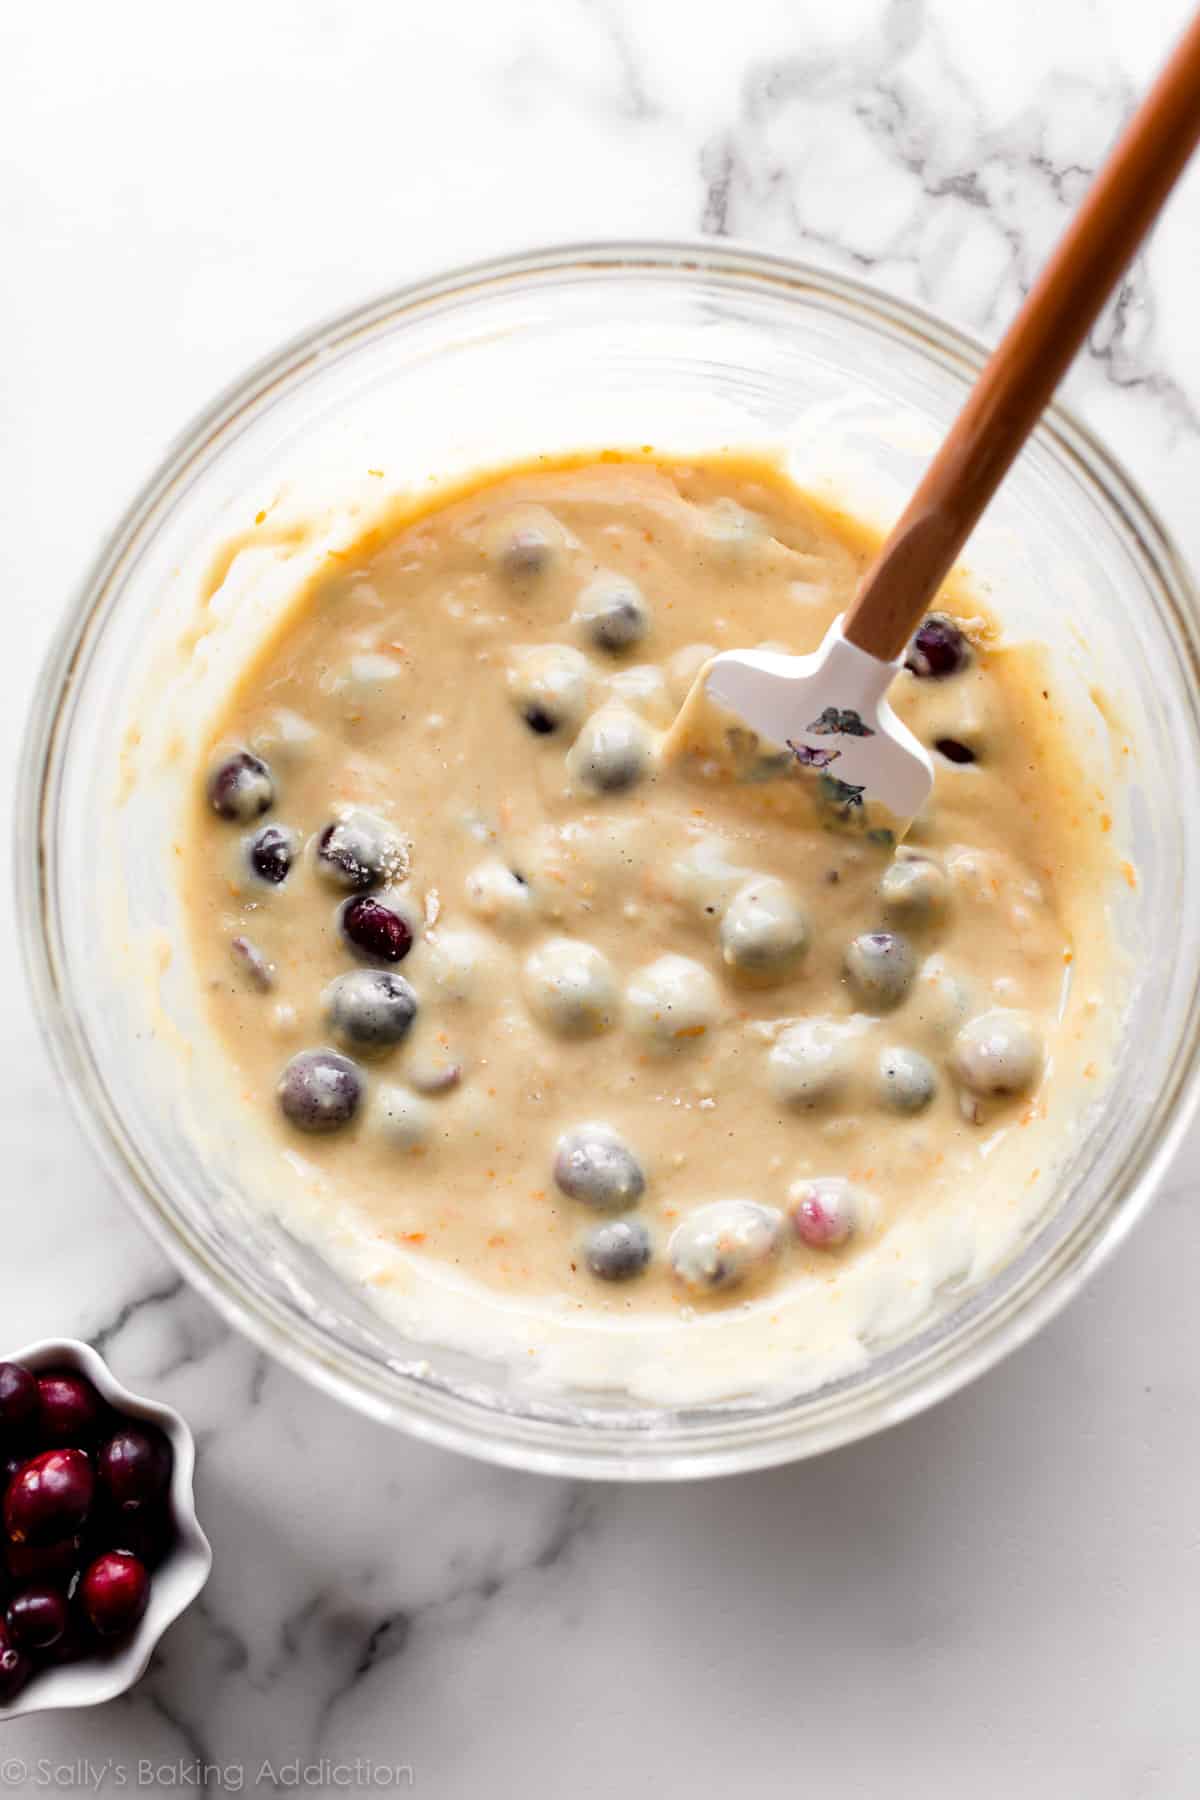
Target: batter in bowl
{"points": [[520, 1009]]}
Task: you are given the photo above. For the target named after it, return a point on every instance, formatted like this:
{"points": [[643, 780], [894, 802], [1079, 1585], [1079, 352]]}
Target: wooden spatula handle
{"points": [[1026, 367]]}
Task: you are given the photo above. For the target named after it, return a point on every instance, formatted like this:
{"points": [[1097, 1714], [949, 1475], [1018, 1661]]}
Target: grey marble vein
{"points": [[196, 1751], [166, 1291], [608, 14], [391, 1636], [956, 192]]}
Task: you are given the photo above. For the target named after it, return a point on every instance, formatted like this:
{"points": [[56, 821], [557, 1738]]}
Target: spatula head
{"points": [[826, 714]]}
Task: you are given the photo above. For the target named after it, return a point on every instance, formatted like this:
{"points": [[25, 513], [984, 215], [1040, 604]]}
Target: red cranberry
{"points": [[69, 1409], [376, 930], [18, 1397], [148, 1533], [49, 1498], [938, 649], [37, 1618], [10, 1462], [43, 1562], [241, 787], [134, 1467], [15, 1668], [115, 1592], [76, 1642]]}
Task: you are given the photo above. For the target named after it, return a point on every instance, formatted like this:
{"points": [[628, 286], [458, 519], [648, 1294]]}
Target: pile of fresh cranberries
{"points": [[85, 1516]]}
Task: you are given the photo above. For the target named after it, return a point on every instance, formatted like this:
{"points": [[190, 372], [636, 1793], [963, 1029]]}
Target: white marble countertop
{"points": [[999, 1598]]}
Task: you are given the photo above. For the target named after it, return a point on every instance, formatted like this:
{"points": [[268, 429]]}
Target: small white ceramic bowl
{"points": [[176, 1582]]}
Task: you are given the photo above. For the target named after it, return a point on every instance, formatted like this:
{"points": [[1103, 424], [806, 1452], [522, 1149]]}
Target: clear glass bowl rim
{"points": [[531, 1439]]}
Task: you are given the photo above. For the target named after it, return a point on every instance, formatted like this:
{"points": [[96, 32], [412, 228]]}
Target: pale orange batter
{"points": [[603, 998]]}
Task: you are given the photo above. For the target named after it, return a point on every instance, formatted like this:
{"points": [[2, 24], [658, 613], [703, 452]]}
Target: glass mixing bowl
{"points": [[680, 346]]}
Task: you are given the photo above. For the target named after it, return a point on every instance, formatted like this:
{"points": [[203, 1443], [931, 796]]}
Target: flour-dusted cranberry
{"points": [[765, 931], [320, 1090], [500, 896], [672, 1004], [69, 1408], [271, 853], [115, 1592], [524, 545], [812, 1062], [880, 966], [724, 1244], [915, 885], [15, 1668], [617, 1250], [528, 553], [907, 1081], [37, 1617], [827, 1211], [49, 1498], [376, 930], [358, 851], [953, 750], [550, 685], [18, 1397], [434, 1073], [612, 611], [134, 1467], [999, 1053], [612, 753], [371, 1007], [240, 787], [571, 987], [938, 649], [593, 1164]]}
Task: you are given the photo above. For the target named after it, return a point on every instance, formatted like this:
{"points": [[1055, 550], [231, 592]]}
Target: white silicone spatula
{"points": [[830, 708]]}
